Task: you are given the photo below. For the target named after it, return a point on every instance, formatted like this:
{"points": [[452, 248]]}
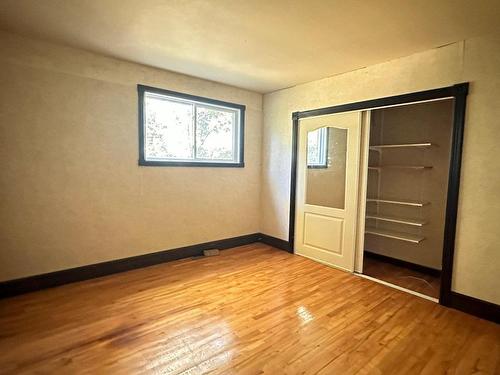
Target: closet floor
{"points": [[402, 276]]}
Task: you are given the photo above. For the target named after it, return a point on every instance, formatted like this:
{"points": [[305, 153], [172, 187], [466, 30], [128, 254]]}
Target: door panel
{"points": [[323, 232], [327, 185]]}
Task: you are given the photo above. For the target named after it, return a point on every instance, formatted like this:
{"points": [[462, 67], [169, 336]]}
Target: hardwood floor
{"points": [[251, 310], [401, 276]]}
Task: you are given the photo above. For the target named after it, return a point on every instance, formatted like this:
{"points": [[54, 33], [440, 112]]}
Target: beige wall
{"points": [[71, 190], [477, 261]]}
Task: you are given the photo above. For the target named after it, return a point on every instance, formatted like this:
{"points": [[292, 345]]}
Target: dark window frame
{"points": [[142, 90]]}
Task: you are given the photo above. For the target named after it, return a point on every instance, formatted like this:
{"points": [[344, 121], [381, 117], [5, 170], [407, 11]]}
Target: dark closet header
{"points": [[440, 93]]}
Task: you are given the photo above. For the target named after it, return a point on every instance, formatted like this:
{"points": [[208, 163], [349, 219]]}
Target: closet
{"points": [[375, 184], [406, 191]]}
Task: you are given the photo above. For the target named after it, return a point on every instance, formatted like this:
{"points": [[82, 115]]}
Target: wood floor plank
{"points": [[251, 310]]}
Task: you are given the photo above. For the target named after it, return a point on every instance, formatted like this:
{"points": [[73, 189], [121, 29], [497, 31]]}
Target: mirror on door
{"points": [[326, 167]]}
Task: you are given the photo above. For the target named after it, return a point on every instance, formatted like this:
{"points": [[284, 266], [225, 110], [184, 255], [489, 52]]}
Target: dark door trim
{"points": [[459, 93]]}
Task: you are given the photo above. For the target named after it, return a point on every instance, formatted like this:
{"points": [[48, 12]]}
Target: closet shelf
{"points": [[403, 145], [400, 166], [395, 235], [400, 202], [399, 220]]}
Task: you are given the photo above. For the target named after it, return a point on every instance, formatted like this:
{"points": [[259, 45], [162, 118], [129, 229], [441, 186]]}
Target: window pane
{"points": [[181, 128], [215, 136], [168, 129]]}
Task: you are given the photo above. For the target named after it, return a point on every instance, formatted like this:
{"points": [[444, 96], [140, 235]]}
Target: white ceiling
{"points": [[262, 45]]}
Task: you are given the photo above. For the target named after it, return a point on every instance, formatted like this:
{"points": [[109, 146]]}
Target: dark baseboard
{"points": [[403, 263], [48, 280], [470, 305], [275, 242]]}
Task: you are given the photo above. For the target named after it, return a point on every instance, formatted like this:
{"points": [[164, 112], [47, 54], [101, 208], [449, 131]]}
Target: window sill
{"points": [[149, 163], [317, 167]]}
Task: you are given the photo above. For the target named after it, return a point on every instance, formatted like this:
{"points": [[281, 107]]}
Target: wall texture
{"points": [[477, 262], [71, 190]]}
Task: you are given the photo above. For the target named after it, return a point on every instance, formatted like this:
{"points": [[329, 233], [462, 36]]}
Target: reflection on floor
{"points": [[401, 276], [250, 310]]}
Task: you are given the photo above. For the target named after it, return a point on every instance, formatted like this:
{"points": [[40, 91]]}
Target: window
{"points": [[184, 130], [317, 146]]}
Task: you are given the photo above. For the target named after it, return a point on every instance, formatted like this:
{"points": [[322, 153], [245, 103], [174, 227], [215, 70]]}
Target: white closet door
{"points": [[327, 188]]}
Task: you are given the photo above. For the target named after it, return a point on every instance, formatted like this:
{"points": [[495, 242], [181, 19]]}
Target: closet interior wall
{"points": [[416, 174]]}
